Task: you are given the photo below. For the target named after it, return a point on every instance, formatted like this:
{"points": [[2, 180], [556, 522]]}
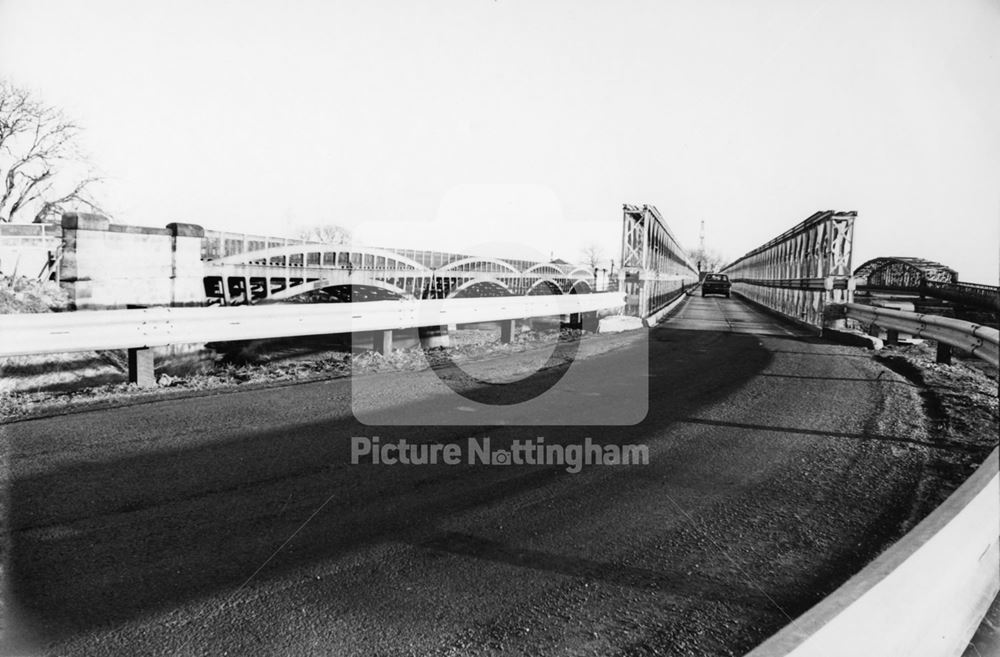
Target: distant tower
{"points": [[701, 246]]}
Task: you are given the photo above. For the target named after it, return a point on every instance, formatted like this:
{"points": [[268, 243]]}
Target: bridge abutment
{"points": [[107, 265]]}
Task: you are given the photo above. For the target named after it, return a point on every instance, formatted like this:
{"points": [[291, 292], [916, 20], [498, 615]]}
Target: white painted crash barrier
{"points": [[982, 341], [153, 327], [924, 597]]}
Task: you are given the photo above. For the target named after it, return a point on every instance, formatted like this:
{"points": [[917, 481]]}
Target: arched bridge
{"points": [[903, 272], [354, 273], [923, 277]]}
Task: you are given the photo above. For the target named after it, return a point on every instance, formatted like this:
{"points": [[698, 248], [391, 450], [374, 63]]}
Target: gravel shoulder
{"points": [[959, 408]]}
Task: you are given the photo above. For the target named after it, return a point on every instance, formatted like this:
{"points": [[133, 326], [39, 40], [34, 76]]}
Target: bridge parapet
{"points": [[655, 268], [106, 265], [800, 272], [30, 250]]}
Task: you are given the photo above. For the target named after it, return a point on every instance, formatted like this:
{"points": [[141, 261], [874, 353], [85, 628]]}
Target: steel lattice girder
{"points": [[802, 270], [654, 264], [648, 243], [816, 249], [899, 271]]}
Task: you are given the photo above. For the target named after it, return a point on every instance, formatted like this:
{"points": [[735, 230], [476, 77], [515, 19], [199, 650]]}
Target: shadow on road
{"points": [[99, 542]]}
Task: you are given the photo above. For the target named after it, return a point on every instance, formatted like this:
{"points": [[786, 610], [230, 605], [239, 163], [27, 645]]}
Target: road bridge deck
{"points": [[730, 315], [235, 523]]}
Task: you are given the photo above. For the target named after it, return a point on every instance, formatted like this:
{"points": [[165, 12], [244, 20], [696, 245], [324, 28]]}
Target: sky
{"points": [[520, 128]]}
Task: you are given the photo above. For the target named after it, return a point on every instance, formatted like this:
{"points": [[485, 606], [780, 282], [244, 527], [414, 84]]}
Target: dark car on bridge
{"points": [[716, 284]]}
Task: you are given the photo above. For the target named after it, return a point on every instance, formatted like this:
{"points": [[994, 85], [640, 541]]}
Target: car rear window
{"points": [[716, 277]]}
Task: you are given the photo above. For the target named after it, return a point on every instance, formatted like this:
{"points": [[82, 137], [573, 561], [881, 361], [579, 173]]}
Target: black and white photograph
{"points": [[476, 328]]}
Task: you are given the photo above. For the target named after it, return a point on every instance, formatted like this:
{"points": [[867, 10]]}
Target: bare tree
{"points": [[326, 234], [593, 255], [42, 171], [708, 259]]}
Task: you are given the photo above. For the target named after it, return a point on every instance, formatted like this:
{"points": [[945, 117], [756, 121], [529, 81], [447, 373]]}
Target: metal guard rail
{"points": [[49, 333], [981, 341]]}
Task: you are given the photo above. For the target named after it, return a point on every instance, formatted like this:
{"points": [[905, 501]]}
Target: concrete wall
{"points": [[107, 265], [25, 249]]}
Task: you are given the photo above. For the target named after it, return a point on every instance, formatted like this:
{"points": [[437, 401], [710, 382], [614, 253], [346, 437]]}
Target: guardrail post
{"points": [[140, 367], [382, 342], [572, 322], [980, 341], [433, 336], [507, 330], [891, 336], [943, 353]]}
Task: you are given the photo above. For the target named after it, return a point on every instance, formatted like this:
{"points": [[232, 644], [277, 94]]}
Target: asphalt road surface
{"points": [[235, 523]]}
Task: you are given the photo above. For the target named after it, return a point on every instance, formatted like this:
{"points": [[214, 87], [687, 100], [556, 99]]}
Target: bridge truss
{"points": [[655, 268], [926, 278], [802, 270]]}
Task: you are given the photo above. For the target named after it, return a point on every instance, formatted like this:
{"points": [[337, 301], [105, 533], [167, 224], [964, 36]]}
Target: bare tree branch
{"points": [[326, 234], [77, 195], [593, 255], [25, 195], [708, 260], [41, 169]]}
